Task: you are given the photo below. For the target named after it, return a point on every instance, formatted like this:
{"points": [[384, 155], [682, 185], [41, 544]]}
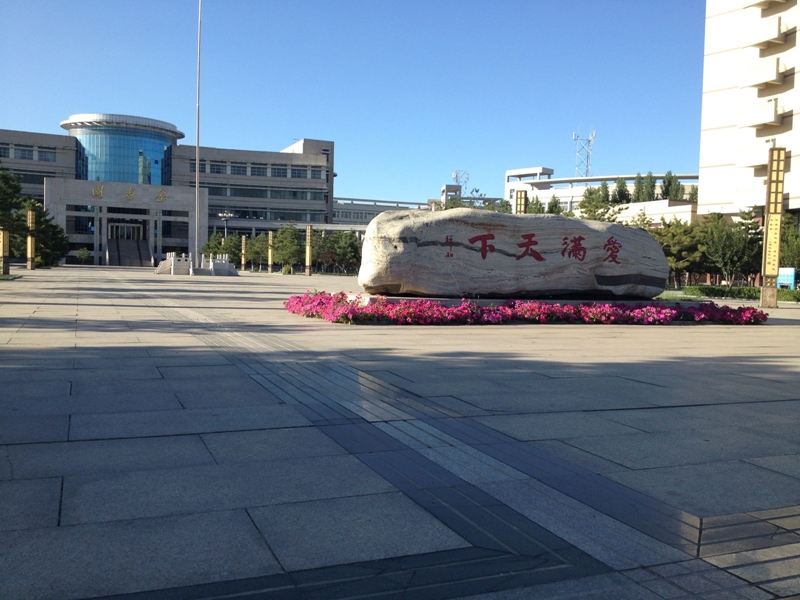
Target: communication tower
{"points": [[583, 154]]}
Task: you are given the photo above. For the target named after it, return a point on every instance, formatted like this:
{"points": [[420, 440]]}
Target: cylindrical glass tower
{"points": [[123, 148]]}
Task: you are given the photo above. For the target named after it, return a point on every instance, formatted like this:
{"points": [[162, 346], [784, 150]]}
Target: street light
{"points": [[225, 216]]}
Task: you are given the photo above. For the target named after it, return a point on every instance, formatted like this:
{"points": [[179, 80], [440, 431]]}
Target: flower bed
{"points": [[337, 308]]}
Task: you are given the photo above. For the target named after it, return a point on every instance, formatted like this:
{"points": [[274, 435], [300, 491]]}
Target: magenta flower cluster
{"points": [[338, 308]]}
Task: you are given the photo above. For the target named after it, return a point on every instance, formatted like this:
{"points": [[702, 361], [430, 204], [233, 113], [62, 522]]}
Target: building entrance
{"points": [[125, 231]]}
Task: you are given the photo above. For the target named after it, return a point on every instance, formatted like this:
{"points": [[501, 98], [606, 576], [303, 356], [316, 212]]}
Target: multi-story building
{"points": [[243, 191], [750, 97]]}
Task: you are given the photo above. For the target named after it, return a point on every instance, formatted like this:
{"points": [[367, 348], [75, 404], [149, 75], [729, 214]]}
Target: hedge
{"points": [[742, 293]]}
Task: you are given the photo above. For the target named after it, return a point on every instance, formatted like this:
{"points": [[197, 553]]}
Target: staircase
{"points": [[129, 253]]}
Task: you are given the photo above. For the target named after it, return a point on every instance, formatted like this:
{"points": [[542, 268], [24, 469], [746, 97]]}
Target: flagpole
{"points": [[197, 144]]}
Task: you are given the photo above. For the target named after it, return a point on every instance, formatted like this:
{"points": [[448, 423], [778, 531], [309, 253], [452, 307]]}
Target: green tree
{"points": [[10, 198], [605, 194], [213, 245], [641, 220], [671, 188], [232, 246], [83, 255], [287, 245], [52, 243], [790, 243], [257, 250], [648, 188], [621, 193], [693, 194], [728, 247], [554, 206], [679, 242], [535, 207], [638, 188], [504, 206], [347, 250], [594, 208]]}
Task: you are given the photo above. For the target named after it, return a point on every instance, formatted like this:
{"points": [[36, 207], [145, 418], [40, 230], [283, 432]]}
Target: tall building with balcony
{"points": [[750, 98]]}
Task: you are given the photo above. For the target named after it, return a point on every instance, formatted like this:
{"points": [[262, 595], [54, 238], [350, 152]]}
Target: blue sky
{"points": [[409, 90]]}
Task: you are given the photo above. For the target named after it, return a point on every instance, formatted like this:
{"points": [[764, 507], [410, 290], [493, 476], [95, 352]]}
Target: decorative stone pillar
{"points": [[244, 251], [31, 240], [5, 251], [270, 237], [308, 250]]}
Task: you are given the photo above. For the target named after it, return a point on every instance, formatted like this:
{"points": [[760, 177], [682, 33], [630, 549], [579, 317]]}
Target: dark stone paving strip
{"points": [[628, 506], [434, 576]]}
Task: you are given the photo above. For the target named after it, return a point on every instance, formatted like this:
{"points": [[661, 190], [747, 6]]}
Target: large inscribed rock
{"points": [[469, 253]]}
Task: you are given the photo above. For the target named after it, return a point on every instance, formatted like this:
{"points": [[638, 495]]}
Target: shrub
{"points": [[742, 293], [286, 269], [338, 308]]}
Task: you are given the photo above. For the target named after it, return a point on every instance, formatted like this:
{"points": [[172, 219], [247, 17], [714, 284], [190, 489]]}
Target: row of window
{"points": [[268, 193], [23, 152], [267, 214], [257, 170]]}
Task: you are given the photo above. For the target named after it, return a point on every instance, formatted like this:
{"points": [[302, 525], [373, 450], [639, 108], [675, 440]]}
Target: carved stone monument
{"points": [[477, 253]]}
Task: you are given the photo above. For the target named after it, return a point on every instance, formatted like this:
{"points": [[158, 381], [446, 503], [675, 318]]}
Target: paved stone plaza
{"points": [[186, 438]]}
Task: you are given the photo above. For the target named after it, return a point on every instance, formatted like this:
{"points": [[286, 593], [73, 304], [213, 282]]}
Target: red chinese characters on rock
{"points": [[449, 241], [527, 247], [572, 248], [485, 245], [612, 248]]}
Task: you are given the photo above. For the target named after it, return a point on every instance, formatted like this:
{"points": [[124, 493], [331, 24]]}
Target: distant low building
{"points": [[538, 182], [358, 211]]}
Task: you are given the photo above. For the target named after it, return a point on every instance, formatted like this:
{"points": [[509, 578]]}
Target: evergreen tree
{"points": [[52, 243], [693, 194], [10, 199], [554, 206], [671, 188], [535, 207], [638, 188], [621, 194], [641, 220], [679, 242], [232, 246], [594, 208], [648, 188], [213, 245], [727, 247], [287, 245], [258, 250], [790, 243], [605, 195]]}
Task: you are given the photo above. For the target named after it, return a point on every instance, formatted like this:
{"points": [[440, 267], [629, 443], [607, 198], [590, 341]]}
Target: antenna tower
{"points": [[583, 154]]}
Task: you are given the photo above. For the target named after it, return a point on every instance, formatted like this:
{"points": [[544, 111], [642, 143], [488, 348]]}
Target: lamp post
{"points": [[225, 216]]}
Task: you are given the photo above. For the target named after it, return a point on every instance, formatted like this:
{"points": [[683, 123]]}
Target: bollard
{"points": [[31, 240], [5, 251], [308, 250], [270, 235]]}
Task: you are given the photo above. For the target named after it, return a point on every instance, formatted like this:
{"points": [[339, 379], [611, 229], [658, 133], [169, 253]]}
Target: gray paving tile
{"points": [[200, 372], [579, 457], [788, 465], [347, 530], [29, 504], [714, 488], [29, 429], [600, 536], [5, 463], [66, 405], [132, 495], [753, 593], [208, 392], [35, 388], [273, 444], [776, 569], [179, 422], [598, 587], [696, 583], [666, 449], [471, 465], [125, 557], [555, 426], [784, 587], [663, 588], [106, 456]]}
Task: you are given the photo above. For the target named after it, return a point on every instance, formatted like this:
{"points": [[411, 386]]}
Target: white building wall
{"points": [[749, 100]]}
